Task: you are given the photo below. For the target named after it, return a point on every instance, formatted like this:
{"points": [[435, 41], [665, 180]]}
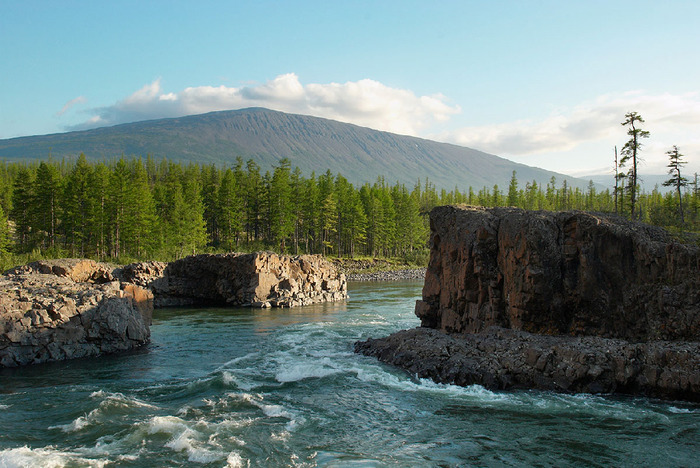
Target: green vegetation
{"points": [[130, 209]]}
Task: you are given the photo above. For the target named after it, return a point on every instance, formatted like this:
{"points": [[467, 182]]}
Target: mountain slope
{"points": [[314, 144]]}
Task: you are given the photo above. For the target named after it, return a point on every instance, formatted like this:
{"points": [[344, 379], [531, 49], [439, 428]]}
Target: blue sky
{"points": [[544, 83]]}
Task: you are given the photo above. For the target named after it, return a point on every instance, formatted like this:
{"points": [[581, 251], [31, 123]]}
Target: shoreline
{"points": [[389, 275]]}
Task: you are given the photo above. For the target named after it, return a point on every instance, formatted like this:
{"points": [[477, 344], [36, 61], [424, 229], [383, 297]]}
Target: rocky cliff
{"points": [[261, 279], [567, 273], [564, 301], [62, 309]]}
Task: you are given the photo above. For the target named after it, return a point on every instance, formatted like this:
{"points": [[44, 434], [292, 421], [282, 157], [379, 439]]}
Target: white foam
{"points": [[675, 410], [297, 372], [234, 460], [46, 457], [4, 407], [119, 399], [274, 411], [167, 424], [238, 359], [77, 424]]}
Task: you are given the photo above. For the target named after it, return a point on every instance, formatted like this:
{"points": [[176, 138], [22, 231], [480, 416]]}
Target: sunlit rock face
{"points": [[570, 302], [261, 279], [567, 273], [63, 309]]}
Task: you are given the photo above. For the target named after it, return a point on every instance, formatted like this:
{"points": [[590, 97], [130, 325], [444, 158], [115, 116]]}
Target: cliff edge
{"points": [[565, 301]]}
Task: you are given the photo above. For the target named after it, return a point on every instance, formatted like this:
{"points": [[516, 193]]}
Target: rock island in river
{"points": [[567, 301]]}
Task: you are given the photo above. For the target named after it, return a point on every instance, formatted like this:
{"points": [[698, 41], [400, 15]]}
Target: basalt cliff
{"points": [[70, 308], [564, 301]]}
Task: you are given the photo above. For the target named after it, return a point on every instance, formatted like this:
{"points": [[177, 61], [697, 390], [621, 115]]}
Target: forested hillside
{"points": [[136, 209]]}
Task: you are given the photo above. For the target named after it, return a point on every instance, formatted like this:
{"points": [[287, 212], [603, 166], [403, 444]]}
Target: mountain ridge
{"points": [[360, 154]]}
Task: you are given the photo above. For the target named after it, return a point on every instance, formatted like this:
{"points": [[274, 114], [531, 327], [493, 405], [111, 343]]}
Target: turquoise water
{"points": [[242, 387]]}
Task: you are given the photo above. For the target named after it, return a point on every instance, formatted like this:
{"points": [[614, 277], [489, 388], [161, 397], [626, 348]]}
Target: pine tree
{"points": [[117, 206], [281, 216], [46, 203], [676, 180], [4, 232], [211, 180], [98, 221], [140, 213], [513, 195], [78, 207], [630, 153], [22, 197], [230, 212], [195, 233]]}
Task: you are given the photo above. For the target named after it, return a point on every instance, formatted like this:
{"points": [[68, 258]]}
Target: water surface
{"points": [[282, 387]]}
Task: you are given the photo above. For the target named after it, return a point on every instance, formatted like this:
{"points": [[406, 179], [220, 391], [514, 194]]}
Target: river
{"points": [[282, 387]]}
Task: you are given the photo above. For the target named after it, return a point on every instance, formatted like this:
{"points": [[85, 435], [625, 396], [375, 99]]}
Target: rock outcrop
{"points": [[506, 359], [564, 301], [62, 309], [568, 273], [261, 279]]}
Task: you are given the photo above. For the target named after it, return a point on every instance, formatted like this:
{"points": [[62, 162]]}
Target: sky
{"points": [[544, 83]]}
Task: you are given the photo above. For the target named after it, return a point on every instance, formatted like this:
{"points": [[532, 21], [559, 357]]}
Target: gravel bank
{"points": [[395, 275]]}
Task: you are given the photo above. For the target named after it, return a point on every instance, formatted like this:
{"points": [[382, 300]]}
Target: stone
{"points": [[54, 310], [261, 280], [570, 273], [569, 301]]}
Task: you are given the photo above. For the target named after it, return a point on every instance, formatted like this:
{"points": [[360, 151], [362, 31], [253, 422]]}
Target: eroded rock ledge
{"points": [[261, 279], [63, 309], [594, 283], [70, 308], [504, 359]]}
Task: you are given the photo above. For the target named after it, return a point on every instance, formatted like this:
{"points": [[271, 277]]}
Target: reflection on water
{"points": [[282, 387]]}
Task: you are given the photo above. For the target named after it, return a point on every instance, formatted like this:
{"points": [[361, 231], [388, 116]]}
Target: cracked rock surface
{"points": [[69, 308]]}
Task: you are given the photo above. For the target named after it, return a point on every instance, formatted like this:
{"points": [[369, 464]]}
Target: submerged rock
{"points": [[63, 309], [621, 301]]}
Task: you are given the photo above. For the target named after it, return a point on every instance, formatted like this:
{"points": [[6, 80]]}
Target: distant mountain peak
{"points": [[360, 154]]}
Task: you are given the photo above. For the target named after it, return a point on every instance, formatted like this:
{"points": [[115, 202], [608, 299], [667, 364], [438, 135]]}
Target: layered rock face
{"points": [[261, 279], [557, 301], [558, 273], [62, 309]]}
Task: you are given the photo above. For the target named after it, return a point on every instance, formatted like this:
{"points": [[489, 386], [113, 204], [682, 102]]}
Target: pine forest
{"points": [[134, 209]]}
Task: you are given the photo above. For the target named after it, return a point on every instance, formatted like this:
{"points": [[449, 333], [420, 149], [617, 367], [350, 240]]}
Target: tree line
{"points": [[131, 209]]}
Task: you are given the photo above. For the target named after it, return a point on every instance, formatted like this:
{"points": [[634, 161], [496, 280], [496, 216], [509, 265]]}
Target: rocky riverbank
{"points": [[70, 308], [64, 309], [618, 301], [506, 359], [390, 275], [259, 280]]}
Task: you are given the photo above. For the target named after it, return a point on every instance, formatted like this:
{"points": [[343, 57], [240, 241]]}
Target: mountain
{"points": [[314, 144]]}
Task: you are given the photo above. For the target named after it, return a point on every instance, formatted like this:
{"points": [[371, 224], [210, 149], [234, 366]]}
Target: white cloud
{"points": [[69, 104], [671, 119], [365, 102]]}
